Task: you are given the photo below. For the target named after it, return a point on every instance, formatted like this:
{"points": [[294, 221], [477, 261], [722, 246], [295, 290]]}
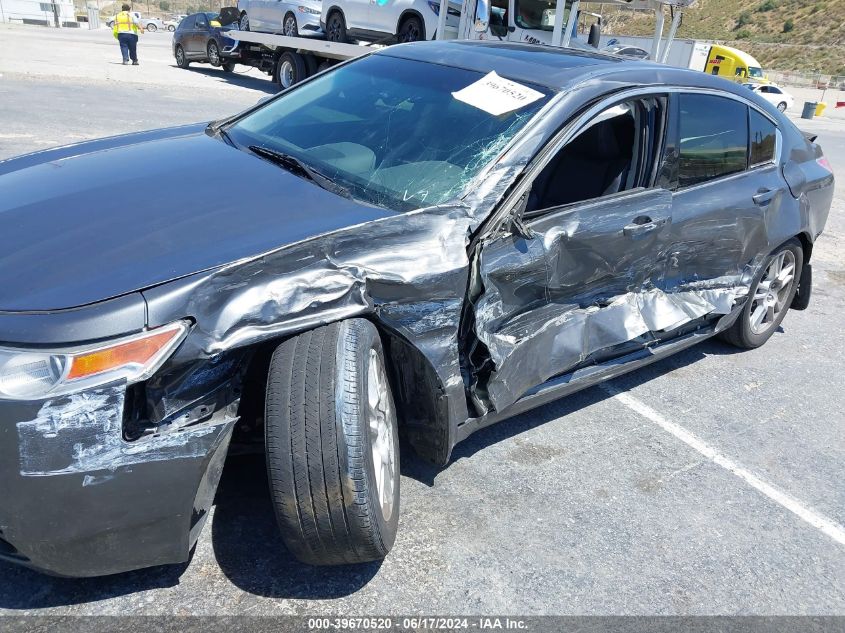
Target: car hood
{"points": [[83, 224]]}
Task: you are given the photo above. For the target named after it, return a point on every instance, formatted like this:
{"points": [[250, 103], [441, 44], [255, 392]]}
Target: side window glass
{"points": [[763, 139], [187, 23], [614, 152], [714, 138]]}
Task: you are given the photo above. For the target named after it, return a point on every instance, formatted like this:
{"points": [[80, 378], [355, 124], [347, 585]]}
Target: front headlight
{"points": [[29, 374]]}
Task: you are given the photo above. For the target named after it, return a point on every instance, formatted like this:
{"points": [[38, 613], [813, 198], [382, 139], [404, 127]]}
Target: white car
{"points": [[773, 94], [293, 18], [153, 24], [373, 20]]}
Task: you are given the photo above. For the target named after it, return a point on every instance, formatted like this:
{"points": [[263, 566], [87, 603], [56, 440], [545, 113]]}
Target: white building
{"points": [[42, 12]]}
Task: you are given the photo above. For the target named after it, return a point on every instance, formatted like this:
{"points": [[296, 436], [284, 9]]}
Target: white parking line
{"points": [[821, 523]]}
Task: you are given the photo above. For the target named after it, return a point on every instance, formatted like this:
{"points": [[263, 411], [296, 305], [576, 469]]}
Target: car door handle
{"points": [[641, 225], [764, 196]]}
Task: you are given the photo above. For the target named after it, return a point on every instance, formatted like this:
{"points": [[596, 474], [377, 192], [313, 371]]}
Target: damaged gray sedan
{"points": [[421, 242]]}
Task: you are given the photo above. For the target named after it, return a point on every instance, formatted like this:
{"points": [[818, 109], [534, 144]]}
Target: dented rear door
{"points": [[569, 288]]}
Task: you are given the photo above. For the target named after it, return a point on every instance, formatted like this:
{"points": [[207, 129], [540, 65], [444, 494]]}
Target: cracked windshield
{"points": [[395, 133]]}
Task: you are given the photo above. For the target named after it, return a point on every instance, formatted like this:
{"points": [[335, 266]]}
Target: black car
{"points": [[200, 38], [425, 240]]}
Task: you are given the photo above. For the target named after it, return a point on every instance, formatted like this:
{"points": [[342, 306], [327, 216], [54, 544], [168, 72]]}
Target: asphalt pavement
{"points": [[709, 483]]}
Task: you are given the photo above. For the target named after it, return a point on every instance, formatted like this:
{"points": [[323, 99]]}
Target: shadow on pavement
{"points": [[251, 552], [243, 76], [22, 588]]}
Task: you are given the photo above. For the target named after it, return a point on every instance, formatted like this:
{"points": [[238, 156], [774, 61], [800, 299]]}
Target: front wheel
{"points": [[171, 28], [289, 27], [228, 67], [782, 106], [244, 23], [152, 28], [181, 60], [332, 445], [213, 53], [769, 299]]}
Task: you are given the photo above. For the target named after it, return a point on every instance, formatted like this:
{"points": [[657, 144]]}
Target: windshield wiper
{"points": [[294, 165]]}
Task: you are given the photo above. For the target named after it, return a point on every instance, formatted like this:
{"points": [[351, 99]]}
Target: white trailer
{"points": [[291, 59]]}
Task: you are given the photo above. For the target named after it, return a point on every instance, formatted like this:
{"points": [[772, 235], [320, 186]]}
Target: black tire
{"points": [[290, 69], [411, 29], [324, 65], [244, 22], [152, 28], [228, 66], [782, 106], [171, 28], [212, 52], [336, 27], [289, 27], [741, 334], [311, 64], [319, 456], [181, 60]]}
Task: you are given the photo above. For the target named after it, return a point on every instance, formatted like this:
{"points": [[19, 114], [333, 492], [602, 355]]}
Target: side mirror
{"points": [[482, 16]]}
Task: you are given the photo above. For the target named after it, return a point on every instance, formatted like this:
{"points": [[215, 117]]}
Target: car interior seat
{"points": [[596, 163]]}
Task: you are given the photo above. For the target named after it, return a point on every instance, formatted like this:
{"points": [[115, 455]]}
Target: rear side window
{"points": [[187, 23], [714, 138], [762, 138]]}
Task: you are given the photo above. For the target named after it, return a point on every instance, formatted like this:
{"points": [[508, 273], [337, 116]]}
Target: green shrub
{"points": [[788, 25], [768, 5]]}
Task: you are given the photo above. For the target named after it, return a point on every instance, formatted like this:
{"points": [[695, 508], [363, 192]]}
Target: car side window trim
{"points": [[514, 201], [775, 160], [648, 119]]}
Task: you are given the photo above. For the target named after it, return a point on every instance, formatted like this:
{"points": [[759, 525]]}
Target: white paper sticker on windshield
{"points": [[497, 95]]}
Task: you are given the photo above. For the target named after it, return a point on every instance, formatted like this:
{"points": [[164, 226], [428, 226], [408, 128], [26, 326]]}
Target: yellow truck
{"points": [[732, 63]]}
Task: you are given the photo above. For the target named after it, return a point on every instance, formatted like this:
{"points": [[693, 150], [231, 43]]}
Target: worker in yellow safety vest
{"points": [[126, 29]]}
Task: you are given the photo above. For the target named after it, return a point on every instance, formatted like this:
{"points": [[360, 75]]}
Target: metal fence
{"points": [[807, 80]]}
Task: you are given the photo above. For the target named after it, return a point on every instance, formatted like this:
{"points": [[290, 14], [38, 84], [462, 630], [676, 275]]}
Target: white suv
{"points": [[402, 20]]}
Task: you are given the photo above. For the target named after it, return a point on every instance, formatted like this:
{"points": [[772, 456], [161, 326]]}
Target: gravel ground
{"points": [[601, 503]]}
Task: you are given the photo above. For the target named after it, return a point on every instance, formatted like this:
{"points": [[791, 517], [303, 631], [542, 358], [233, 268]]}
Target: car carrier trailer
{"points": [[291, 59]]}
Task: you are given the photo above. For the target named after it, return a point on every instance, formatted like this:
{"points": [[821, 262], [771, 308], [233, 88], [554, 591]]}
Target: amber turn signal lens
{"points": [[138, 352]]}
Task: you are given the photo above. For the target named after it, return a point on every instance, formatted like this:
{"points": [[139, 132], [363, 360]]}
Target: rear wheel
{"points": [[336, 27], [290, 69], [289, 27], [213, 53], [152, 28], [171, 28], [332, 445], [769, 299], [782, 106], [411, 30], [181, 60]]}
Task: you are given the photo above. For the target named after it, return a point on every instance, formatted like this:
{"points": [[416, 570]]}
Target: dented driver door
{"points": [[563, 286]]}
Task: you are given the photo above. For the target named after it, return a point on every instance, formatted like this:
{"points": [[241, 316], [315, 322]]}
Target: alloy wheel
{"points": [[289, 27], [772, 293], [382, 444], [213, 54]]}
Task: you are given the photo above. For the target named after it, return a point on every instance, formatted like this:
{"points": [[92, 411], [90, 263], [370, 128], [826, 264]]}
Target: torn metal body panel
{"points": [[488, 303], [82, 501]]}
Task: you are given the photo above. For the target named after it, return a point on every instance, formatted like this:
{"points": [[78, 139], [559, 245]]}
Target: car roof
{"points": [[554, 67], [545, 65]]}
